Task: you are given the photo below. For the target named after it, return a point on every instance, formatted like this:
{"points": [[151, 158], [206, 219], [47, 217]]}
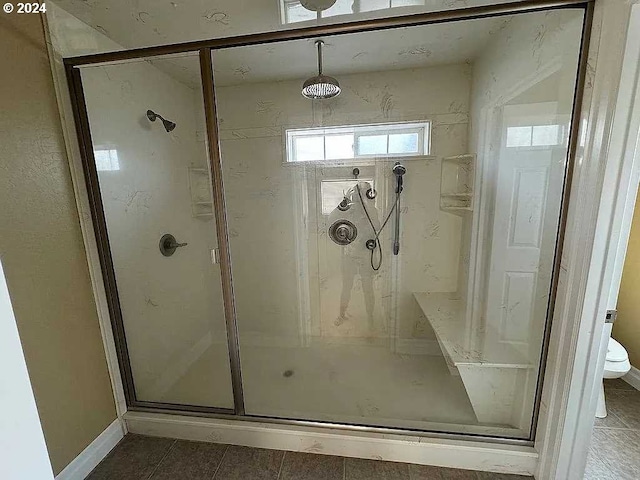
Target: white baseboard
{"points": [[463, 454], [633, 378], [418, 346], [91, 456]]}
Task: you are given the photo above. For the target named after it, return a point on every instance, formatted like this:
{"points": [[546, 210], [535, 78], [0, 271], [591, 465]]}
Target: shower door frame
{"points": [[204, 48]]}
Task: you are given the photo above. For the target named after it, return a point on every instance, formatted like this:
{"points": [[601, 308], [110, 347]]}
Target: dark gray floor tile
{"points": [[618, 451], [243, 463], [309, 466], [359, 469], [616, 384], [501, 476], [190, 461], [625, 404], [426, 472], [135, 457]]}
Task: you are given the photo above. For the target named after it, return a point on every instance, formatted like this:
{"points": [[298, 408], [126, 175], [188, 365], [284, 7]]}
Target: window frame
{"points": [[284, 20], [421, 127]]}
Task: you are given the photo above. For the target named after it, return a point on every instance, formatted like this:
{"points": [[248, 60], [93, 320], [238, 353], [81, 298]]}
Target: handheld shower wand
{"points": [[373, 244], [398, 170]]}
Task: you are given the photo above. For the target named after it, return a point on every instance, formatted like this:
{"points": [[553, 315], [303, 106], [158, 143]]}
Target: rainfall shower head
{"points": [[321, 86], [317, 5], [168, 124]]}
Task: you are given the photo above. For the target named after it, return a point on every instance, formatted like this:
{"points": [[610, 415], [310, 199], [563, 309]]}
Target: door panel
{"points": [[154, 180]]}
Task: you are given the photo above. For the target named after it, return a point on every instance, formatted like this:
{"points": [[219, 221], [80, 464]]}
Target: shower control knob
{"points": [[343, 232], [344, 205], [370, 244], [168, 245], [371, 194]]}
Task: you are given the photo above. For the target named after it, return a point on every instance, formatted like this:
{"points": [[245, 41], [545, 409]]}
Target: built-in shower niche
{"points": [[456, 183], [200, 190]]}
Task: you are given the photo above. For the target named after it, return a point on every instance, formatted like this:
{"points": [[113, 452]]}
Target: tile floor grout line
{"points": [[284, 453], [220, 463], [617, 428], [162, 459]]}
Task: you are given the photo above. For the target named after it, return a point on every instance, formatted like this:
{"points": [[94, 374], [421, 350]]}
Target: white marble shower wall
{"points": [[287, 273], [171, 306], [525, 76]]}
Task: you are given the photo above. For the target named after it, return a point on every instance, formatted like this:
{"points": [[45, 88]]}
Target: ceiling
{"points": [[396, 49], [142, 23]]}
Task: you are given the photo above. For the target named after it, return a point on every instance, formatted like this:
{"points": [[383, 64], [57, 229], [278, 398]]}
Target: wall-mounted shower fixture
{"points": [[373, 244], [345, 204], [168, 124], [343, 232], [317, 5], [321, 86], [398, 170], [168, 245]]}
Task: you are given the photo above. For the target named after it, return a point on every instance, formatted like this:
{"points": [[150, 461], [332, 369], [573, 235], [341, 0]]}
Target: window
{"points": [[106, 160], [293, 11], [536, 136], [334, 191], [358, 141]]}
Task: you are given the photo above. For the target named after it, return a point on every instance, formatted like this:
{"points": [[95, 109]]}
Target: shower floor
{"points": [[356, 384]]}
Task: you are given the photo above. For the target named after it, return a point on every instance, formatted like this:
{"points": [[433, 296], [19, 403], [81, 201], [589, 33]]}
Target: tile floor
{"points": [[615, 447], [138, 457]]}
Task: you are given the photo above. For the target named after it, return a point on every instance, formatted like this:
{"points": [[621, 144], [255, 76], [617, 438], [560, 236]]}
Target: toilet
{"points": [[615, 366]]}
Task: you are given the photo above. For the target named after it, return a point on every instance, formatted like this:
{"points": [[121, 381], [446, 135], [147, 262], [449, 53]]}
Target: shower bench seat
{"points": [[495, 375]]}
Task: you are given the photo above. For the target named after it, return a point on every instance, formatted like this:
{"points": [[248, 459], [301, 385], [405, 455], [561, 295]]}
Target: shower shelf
{"points": [[456, 183], [489, 369]]}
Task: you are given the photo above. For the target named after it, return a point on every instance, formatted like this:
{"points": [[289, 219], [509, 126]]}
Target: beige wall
{"points": [[42, 251], [627, 327]]}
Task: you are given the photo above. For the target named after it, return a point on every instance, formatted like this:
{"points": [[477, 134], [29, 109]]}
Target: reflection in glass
{"points": [[106, 160], [446, 334]]}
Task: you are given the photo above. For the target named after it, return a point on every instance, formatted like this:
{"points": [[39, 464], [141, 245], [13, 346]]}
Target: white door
{"points": [[523, 235], [23, 453]]}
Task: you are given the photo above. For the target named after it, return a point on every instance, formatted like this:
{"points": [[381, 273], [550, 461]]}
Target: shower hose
{"points": [[376, 240]]}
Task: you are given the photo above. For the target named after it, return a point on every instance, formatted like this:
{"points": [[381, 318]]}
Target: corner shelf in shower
{"points": [[456, 183], [200, 189]]}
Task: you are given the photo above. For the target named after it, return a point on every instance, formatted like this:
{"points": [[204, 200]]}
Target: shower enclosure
{"points": [[385, 257]]}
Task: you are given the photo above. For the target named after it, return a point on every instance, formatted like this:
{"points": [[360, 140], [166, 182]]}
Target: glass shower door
{"points": [[328, 325], [148, 130], [393, 246]]}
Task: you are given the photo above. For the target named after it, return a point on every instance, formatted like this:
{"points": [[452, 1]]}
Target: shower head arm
{"points": [[151, 115], [319, 44]]}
